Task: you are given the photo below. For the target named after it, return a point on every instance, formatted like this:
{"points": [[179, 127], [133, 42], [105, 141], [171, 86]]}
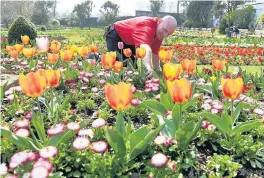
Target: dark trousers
{"points": [[112, 39]]}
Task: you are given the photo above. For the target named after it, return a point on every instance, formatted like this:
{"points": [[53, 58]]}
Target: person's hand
{"points": [[149, 73]]}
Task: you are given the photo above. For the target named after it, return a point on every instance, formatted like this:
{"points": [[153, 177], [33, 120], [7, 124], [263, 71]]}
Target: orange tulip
{"points": [[52, 77], [188, 65], [53, 58], [118, 66], [232, 88], [218, 65], [29, 52], [93, 48], [33, 84], [25, 39], [127, 52], [171, 71], [19, 47], [55, 46], [13, 54], [180, 90], [83, 51], [140, 52], [66, 55], [108, 60], [10, 48], [165, 56], [119, 96]]}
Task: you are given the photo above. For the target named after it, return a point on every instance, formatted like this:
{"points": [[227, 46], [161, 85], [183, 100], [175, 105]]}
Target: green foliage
{"points": [[155, 7], [198, 12], [222, 165], [104, 114], [109, 10], [21, 26], [227, 21], [55, 23], [43, 28], [41, 12], [86, 105], [139, 112], [188, 24], [83, 10], [249, 150], [244, 17]]}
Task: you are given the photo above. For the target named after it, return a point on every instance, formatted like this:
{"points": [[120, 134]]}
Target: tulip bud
{"points": [[120, 45]]}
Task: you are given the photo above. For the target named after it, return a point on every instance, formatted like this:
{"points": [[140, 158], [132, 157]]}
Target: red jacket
{"points": [[139, 30]]}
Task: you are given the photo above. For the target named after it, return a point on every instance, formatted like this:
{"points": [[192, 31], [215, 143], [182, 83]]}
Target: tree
{"points": [[245, 17], [232, 5], [83, 11], [54, 8], [10, 10], [198, 13], [109, 11], [218, 8], [41, 12], [155, 7]]}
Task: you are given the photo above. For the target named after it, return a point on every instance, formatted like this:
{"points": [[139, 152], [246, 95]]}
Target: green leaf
{"points": [[227, 119], [169, 129], [2, 92], [39, 126], [176, 116], [32, 64], [61, 138], [188, 103], [120, 124], [84, 123], [21, 142], [237, 111], [116, 142], [185, 134], [128, 128], [246, 126], [155, 106], [164, 99], [140, 147], [218, 122], [137, 136], [206, 88]]}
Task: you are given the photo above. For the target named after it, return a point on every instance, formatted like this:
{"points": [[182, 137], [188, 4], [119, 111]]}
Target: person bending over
{"points": [[143, 32]]}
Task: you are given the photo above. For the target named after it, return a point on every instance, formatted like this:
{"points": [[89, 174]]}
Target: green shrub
{"points": [[21, 26], [43, 28], [187, 24], [55, 23]]}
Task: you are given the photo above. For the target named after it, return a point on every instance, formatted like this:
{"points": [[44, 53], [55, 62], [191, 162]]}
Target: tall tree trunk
{"points": [[54, 10], [178, 6]]}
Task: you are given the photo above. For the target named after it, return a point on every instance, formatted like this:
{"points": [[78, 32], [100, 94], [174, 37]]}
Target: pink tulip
{"points": [[42, 44], [120, 45]]}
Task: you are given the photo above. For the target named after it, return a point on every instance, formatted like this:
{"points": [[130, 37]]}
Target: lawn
{"points": [[249, 69]]}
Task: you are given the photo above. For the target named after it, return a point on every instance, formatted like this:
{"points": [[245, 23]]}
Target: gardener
{"points": [[144, 32]]}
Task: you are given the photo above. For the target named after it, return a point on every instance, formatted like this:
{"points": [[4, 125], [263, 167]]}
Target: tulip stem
{"points": [[121, 55], [39, 109], [180, 119], [232, 107]]}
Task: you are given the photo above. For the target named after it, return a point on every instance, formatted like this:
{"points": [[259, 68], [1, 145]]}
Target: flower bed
{"points": [[77, 117]]}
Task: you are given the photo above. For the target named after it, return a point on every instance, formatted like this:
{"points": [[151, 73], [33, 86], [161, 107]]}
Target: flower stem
{"points": [[232, 107], [180, 119]]}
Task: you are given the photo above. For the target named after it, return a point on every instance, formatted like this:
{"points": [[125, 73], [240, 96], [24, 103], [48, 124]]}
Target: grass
{"points": [[249, 69]]}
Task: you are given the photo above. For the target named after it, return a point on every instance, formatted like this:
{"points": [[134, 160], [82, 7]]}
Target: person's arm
{"points": [[155, 61], [147, 59]]}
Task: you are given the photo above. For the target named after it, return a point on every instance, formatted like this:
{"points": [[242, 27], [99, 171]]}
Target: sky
{"points": [[127, 7]]}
